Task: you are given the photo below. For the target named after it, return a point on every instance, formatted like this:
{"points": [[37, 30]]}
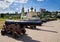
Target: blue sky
{"points": [[16, 5]]}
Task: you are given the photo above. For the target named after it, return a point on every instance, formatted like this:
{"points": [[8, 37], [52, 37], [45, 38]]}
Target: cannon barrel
{"points": [[27, 22]]}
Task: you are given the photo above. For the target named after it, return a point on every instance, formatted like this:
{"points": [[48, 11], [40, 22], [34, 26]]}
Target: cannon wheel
{"points": [[3, 32], [32, 26], [15, 35], [40, 24], [23, 31]]}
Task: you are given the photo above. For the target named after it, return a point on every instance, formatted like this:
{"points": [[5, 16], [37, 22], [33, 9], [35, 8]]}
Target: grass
{"points": [[2, 22]]}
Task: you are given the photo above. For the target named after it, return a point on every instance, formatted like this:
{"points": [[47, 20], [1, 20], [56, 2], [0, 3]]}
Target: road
{"points": [[48, 32]]}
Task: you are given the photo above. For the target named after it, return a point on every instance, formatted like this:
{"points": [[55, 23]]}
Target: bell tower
{"points": [[22, 13], [31, 9], [22, 10]]}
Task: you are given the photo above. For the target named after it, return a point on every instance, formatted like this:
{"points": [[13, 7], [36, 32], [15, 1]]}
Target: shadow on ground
{"points": [[24, 38], [44, 30], [47, 26], [49, 31]]}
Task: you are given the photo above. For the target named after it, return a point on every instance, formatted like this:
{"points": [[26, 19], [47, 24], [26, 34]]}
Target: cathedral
{"points": [[29, 14]]}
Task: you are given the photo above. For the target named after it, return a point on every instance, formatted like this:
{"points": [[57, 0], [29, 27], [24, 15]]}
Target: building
{"points": [[42, 10], [31, 14], [22, 13]]}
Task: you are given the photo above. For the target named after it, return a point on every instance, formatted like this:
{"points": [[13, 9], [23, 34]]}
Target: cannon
{"points": [[13, 27], [37, 21], [16, 27]]}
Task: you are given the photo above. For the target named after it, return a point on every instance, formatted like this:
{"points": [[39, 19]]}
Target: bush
{"points": [[58, 16]]}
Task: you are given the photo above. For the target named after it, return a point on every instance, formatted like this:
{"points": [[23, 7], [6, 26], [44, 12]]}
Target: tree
{"points": [[16, 12], [2, 15]]}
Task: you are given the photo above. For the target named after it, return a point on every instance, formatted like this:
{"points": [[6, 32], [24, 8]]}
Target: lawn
{"points": [[2, 22]]}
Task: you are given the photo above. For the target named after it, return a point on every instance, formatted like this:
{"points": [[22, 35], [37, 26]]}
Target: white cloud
{"points": [[17, 8], [21, 1], [40, 0], [5, 3], [7, 11], [15, 4]]}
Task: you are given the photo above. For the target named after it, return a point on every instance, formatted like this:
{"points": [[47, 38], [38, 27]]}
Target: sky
{"points": [[12, 6]]}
